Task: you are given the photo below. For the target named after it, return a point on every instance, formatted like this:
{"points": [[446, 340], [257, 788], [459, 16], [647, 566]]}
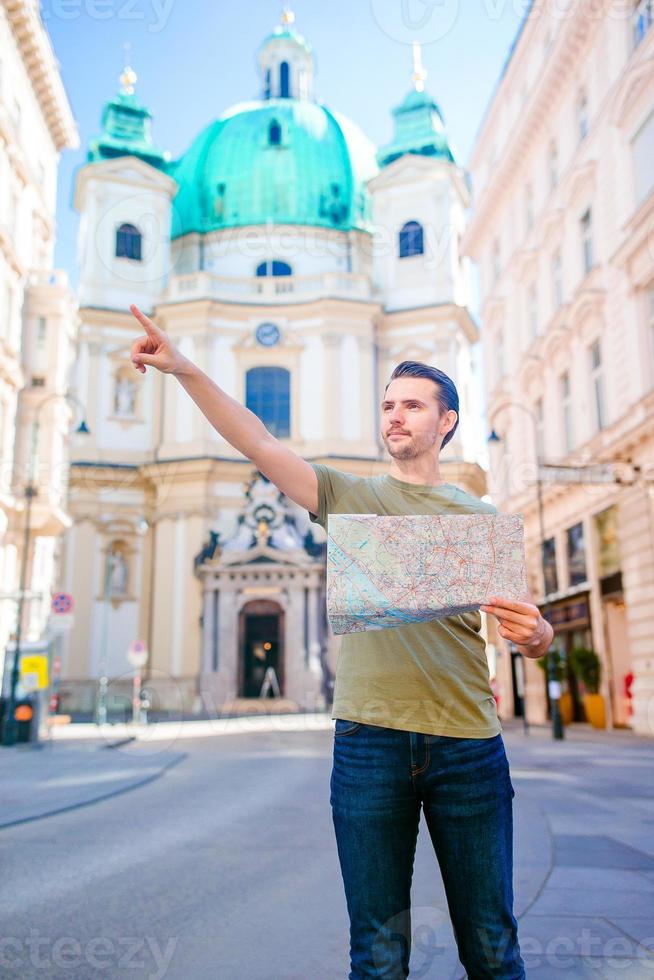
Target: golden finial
{"points": [[263, 532], [127, 79], [419, 74], [128, 76], [288, 17]]}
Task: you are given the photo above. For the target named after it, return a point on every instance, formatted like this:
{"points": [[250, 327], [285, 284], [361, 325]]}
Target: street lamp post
{"points": [[557, 722], [10, 728]]}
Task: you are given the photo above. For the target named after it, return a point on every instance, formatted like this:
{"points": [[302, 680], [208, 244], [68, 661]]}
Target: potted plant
{"points": [[558, 674], [587, 668]]}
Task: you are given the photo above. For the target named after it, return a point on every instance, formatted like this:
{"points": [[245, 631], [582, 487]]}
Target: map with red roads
{"points": [[384, 572]]}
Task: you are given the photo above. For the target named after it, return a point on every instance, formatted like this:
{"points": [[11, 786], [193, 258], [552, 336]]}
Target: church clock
{"points": [[268, 334]]}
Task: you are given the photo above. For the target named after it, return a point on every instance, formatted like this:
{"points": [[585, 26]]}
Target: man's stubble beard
{"points": [[411, 447]]}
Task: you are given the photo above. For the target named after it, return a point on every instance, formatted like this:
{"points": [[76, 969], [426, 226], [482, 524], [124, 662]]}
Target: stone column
{"points": [[368, 395], [208, 626], [229, 607], [332, 347]]}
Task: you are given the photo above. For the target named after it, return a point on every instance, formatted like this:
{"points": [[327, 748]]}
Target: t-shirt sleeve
{"points": [[332, 484]]}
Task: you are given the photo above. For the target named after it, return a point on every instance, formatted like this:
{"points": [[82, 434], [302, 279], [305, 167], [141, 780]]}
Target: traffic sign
{"points": [[60, 623], [34, 671], [595, 473], [62, 603], [137, 653]]}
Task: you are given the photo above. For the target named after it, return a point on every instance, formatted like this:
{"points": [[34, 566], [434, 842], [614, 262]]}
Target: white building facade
{"points": [[297, 265], [563, 175], [37, 323]]}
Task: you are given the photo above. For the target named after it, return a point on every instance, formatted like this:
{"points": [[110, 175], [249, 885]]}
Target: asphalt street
{"points": [[215, 857]]}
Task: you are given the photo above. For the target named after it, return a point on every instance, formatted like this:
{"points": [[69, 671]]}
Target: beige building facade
{"points": [[37, 325], [562, 230]]}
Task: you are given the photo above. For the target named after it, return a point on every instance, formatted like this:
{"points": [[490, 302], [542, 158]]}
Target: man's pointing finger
{"points": [[152, 328]]}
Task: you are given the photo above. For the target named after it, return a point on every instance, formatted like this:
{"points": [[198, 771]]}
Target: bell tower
{"points": [[420, 199], [123, 195]]}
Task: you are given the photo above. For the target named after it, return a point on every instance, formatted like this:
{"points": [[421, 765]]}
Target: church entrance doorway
{"points": [[261, 650]]}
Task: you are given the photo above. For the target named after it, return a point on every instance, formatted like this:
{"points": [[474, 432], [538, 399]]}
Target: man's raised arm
{"points": [[237, 424]]}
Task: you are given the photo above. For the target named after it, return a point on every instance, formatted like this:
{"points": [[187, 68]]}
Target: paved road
{"points": [[215, 858]]}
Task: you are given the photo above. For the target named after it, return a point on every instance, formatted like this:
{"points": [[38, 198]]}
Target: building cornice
{"points": [[325, 306], [576, 34], [128, 170], [635, 82], [417, 315], [410, 168], [43, 69]]}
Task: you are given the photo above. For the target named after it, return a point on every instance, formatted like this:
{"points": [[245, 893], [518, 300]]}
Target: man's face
{"points": [[410, 420]]}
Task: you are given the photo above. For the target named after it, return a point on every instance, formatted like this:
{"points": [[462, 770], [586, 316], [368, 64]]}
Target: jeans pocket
{"points": [[345, 727]]}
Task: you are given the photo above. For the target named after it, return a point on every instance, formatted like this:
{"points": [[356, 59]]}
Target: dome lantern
{"points": [[286, 62]]}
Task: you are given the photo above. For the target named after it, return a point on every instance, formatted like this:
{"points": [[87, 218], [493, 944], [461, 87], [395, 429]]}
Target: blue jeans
{"points": [[380, 777]]}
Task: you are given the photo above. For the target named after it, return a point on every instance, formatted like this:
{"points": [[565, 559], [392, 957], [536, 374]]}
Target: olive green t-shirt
{"points": [[429, 677]]}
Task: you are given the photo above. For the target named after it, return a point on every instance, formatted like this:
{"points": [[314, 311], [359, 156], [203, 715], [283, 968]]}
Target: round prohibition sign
{"points": [[61, 602]]}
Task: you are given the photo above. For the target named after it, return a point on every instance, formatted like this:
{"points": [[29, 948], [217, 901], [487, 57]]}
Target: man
{"points": [[415, 718]]}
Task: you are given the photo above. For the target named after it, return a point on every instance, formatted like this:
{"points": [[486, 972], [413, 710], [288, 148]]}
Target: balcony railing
{"points": [[267, 289]]}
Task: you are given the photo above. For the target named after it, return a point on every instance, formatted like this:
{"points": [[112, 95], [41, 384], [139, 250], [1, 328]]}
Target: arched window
{"points": [[274, 267], [274, 133], [128, 242], [411, 239], [284, 78], [268, 395], [266, 84]]}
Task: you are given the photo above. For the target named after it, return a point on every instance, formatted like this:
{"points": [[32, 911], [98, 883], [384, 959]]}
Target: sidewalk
{"points": [[583, 851], [579, 731], [172, 730]]}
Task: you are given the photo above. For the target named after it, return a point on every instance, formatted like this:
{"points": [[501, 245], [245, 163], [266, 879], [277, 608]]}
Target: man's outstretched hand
{"points": [[154, 347], [522, 624]]}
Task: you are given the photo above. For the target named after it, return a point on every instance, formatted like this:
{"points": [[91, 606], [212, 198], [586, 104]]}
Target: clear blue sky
{"points": [[195, 58]]}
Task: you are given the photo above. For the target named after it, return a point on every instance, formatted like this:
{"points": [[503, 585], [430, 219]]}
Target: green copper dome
{"points": [[285, 160]]}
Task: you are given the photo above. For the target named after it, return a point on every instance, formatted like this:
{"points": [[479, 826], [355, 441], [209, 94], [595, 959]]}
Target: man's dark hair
{"points": [[446, 394]]}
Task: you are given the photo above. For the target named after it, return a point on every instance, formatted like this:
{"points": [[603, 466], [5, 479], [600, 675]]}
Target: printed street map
{"points": [[389, 571]]}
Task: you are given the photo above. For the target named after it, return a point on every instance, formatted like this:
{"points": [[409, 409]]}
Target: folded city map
{"points": [[384, 572]]}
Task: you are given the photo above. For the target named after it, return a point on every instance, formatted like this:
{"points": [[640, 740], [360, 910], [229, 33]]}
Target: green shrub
{"points": [[587, 667]]}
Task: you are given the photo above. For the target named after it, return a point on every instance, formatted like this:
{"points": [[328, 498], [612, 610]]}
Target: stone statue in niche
{"points": [[116, 573], [124, 395]]}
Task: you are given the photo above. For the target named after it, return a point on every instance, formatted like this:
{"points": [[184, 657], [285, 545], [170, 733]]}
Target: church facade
{"points": [[296, 263]]}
